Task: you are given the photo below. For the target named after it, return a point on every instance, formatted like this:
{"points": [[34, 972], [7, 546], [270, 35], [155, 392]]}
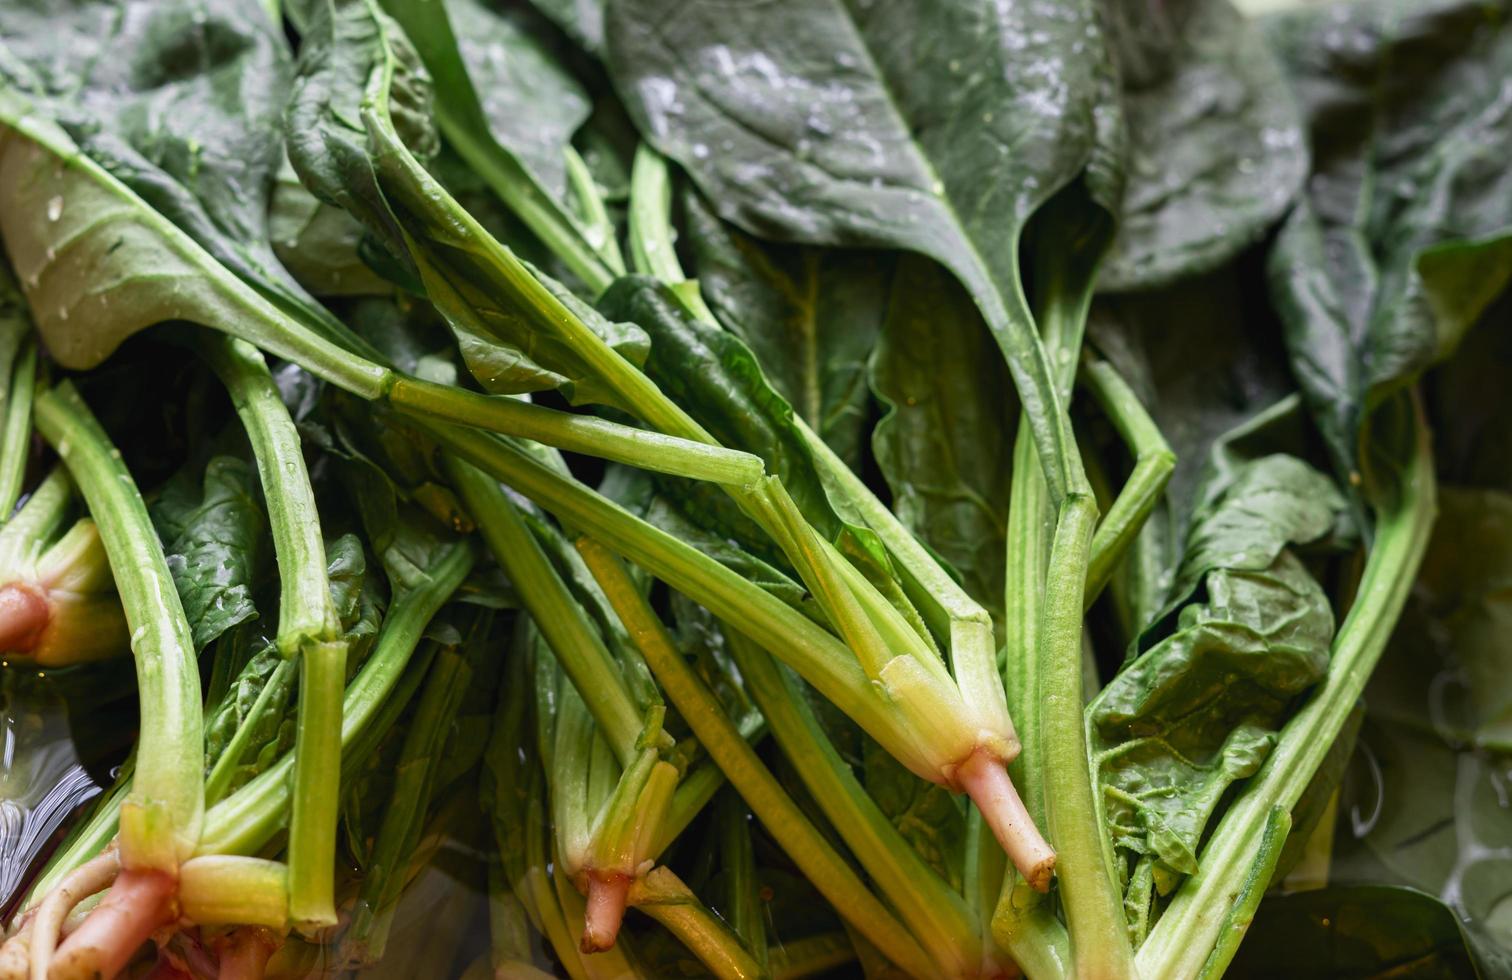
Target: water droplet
{"points": [[54, 208], [700, 151]]}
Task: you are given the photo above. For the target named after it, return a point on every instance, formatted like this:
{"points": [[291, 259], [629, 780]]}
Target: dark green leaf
{"points": [[1405, 232], [810, 315], [180, 102], [935, 128], [214, 535], [370, 162], [583, 20], [1216, 150], [945, 445], [498, 82], [1357, 933]]}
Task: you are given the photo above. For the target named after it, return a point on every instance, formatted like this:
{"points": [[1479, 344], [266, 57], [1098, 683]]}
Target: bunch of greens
{"points": [[756, 490]]}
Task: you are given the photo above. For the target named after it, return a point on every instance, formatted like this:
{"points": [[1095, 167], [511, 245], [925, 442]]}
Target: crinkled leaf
{"points": [[499, 85], [214, 533], [321, 245], [1216, 150], [1200, 710], [810, 315], [927, 815], [1404, 234], [272, 727]]}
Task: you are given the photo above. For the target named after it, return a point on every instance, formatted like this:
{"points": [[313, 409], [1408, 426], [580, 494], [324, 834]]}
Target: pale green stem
{"points": [[308, 628], [829, 872], [162, 815], [240, 891], [573, 639], [15, 431], [247, 819], [664, 897], [1153, 464], [1094, 913]]}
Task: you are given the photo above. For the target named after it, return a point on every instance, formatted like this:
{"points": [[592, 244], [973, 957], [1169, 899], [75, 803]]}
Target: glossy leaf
{"points": [[1199, 710], [1216, 149], [214, 533], [935, 128], [1405, 232]]}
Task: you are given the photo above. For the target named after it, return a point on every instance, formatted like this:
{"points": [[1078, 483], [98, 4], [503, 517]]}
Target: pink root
{"points": [[244, 953], [985, 779], [24, 614], [606, 910], [92, 876], [137, 905]]}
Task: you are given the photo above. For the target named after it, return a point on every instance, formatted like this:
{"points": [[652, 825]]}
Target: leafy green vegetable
{"points": [[818, 122], [1215, 143], [1404, 235]]}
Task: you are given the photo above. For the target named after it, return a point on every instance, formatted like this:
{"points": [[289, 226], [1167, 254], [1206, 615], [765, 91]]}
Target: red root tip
{"points": [[137, 905], [606, 909], [985, 779], [24, 614]]}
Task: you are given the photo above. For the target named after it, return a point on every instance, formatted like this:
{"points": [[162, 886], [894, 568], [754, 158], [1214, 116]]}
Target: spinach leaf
{"points": [[180, 104], [214, 533], [810, 315], [935, 128], [1405, 232], [945, 445], [320, 245], [1216, 150], [582, 20], [359, 130], [1200, 710], [1360, 931]]}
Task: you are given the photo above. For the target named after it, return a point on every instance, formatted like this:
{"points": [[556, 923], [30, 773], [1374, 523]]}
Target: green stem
{"points": [[783, 818], [246, 820], [664, 897], [695, 459], [817, 655], [305, 612], [1094, 913], [573, 639], [15, 431], [532, 205], [742, 901], [307, 624], [161, 817], [937, 916], [652, 248], [1194, 922], [1153, 464], [414, 778], [241, 891], [1242, 912], [598, 229]]}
